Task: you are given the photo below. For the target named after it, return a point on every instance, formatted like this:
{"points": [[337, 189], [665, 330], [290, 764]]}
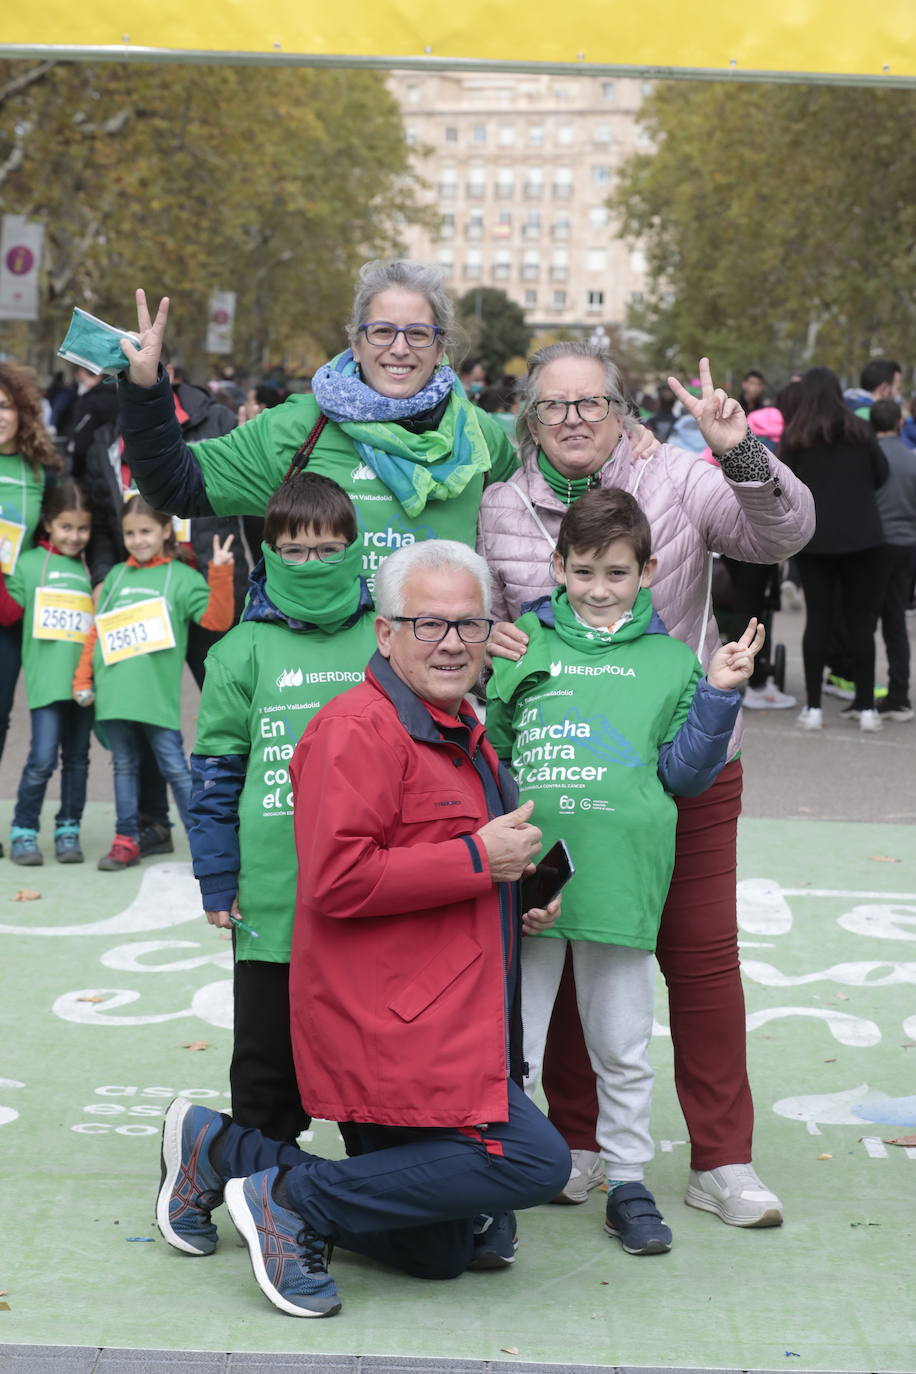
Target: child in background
{"points": [[306, 635], [50, 590], [602, 718], [132, 660]]}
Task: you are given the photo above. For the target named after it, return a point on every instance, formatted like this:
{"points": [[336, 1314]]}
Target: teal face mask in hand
{"points": [[95, 345]]}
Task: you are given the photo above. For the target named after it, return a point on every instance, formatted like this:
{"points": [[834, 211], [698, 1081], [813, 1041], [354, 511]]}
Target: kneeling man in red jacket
{"points": [[404, 980]]}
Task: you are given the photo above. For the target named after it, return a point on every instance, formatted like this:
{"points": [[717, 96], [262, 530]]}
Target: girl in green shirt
{"points": [[49, 590], [27, 461]]}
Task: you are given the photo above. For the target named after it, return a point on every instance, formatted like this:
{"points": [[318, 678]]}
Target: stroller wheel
{"points": [[779, 666]]}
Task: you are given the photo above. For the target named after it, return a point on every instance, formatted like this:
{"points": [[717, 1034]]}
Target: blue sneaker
{"points": [[634, 1219], [190, 1186], [288, 1258], [67, 844], [24, 847], [495, 1241]]}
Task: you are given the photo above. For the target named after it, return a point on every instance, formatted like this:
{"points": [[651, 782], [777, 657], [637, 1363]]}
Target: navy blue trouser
{"points": [[62, 728], [410, 1199]]}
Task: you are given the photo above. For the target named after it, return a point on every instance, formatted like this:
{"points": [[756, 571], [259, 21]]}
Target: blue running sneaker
{"points": [[288, 1258], [24, 847], [634, 1219], [190, 1187], [495, 1241]]}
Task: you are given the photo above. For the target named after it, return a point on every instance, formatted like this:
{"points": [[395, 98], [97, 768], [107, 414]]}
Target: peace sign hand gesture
{"points": [[719, 417], [144, 358], [222, 553], [732, 664]]}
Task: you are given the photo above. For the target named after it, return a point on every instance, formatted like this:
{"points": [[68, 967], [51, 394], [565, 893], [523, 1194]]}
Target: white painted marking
{"points": [[128, 958], [848, 1030], [74, 1006], [894, 921], [168, 896], [762, 907], [824, 1109], [874, 1147], [856, 974]]}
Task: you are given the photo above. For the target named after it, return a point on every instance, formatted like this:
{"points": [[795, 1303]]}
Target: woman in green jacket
{"points": [[388, 421]]}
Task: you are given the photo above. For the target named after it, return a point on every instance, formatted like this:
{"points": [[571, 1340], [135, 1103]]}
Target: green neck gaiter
{"points": [[322, 594], [586, 639], [568, 489]]}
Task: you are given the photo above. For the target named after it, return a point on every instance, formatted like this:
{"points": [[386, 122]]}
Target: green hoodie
{"points": [[582, 716]]}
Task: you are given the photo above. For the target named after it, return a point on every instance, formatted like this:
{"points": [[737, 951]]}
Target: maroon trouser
{"points": [[698, 954]]}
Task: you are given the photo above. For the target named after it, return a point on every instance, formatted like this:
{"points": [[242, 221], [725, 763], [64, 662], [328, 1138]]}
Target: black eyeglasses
{"points": [[588, 408], [382, 334], [296, 554], [431, 629]]}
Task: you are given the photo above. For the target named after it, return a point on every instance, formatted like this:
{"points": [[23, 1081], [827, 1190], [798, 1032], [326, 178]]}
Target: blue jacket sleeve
{"points": [[163, 465], [216, 784], [693, 760]]}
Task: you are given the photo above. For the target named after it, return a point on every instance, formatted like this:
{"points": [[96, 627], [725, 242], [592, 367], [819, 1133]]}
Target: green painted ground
{"points": [[108, 978]]}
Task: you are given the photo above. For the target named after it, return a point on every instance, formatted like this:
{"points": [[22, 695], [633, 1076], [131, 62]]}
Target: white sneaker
{"points": [[587, 1173], [768, 698], [870, 721], [811, 718], [734, 1193], [791, 598]]}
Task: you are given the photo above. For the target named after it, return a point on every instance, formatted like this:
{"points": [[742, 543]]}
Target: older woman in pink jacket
{"points": [[751, 508]]}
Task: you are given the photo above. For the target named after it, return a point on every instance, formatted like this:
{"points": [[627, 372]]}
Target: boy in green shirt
{"points": [[305, 636], [603, 717]]}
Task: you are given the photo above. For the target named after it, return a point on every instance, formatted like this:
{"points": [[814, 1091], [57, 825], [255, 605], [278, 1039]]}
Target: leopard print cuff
{"points": [[748, 461]]}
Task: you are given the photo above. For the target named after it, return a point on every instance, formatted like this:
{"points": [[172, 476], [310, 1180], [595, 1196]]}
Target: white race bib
{"points": [[62, 615], [143, 628], [11, 537]]}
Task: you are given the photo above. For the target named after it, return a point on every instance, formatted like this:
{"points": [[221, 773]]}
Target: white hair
{"points": [[430, 553], [569, 348]]}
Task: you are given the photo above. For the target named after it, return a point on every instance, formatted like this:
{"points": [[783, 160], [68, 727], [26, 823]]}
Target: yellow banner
{"points": [[843, 39]]}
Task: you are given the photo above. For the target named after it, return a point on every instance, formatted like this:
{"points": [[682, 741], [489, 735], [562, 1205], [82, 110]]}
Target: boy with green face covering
{"points": [[305, 636]]}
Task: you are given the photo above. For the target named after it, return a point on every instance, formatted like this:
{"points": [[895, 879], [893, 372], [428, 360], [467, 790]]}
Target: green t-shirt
{"points": [[21, 495], [148, 688], [242, 469], [49, 664], [264, 682], [583, 730]]}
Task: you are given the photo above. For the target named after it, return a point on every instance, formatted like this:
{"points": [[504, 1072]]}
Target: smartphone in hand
{"points": [[549, 878]]}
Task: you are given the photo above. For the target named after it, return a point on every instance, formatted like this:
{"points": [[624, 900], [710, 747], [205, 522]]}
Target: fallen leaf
{"points": [[509, 1349], [4, 1307], [825, 1156], [605, 1283], [865, 1223], [829, 1061], [197, 1045], [841, 997], [26, 894], [90, 999], [908, 1140], [908, 1045], [883, 859]]}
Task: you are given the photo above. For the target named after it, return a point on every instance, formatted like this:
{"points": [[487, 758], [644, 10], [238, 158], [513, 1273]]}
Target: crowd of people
{"points": [[348, 574]]}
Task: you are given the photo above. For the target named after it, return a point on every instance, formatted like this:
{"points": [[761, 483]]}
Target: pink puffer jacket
{"points": [[693, 509]]}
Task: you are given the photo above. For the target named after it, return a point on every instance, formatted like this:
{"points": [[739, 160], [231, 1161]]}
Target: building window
{"points": [[477, 183], [534, 183], [601, 175], [502, 229], [531, 265], [565, 135], [559, 264], [447, 225], [596, 260], [603, 133], [645, 88], [505, 135], [410, 135], [536, 134], [451, 133], [413, 95], [448, 186], [595, 300], [561, 94], [502, 264], [531, 298], [474, 226], [562, 183], [479, 133], [505, 183], [531, 229], [561, 227], [472, 265], [447, 261], [559, 300], [607, 90], [598, 216]]}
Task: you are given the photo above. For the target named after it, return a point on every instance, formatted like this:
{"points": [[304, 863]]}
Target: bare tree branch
{"points": [[24, 79]]}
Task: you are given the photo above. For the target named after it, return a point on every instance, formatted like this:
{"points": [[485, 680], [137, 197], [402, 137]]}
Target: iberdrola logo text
{"points": [[586, 670], [290, 677]]}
